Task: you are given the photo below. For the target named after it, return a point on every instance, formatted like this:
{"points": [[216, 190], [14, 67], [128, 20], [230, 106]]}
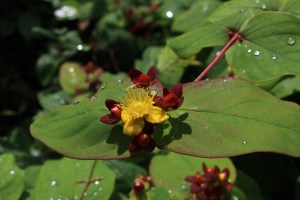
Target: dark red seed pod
{"points": [[138, 186], [151, 146], [142, 177], [134, 147], [144, 139]]}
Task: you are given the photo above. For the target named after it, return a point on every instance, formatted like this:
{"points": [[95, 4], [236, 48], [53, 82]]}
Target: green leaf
{"points": [[286, 86], [26, 22], [169, 171], [228, 117], [11, 184], [31, 175], [158, 193], [108, 77], [75, 130], [270, 47], [72, 78], [194, 15], [51, 99], [68, 178], [248, 186], [190, 43]]}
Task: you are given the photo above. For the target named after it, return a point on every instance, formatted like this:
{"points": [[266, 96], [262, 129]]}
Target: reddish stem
{"points": [[218, 57], [89, 181]]}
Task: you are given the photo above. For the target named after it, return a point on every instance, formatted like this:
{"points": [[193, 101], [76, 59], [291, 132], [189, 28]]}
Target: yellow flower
{"points": [[138, 107]]}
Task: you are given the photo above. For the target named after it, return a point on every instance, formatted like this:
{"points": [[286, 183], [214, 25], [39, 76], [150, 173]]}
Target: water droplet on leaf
{"points": [[256, 53], [95, 193], [103, 85], [79, 47], [249, 50], [154, 92], [291, 41], [244, 71], [207, 80], [76, 102], [54, 183], [244, 142], [169, 14], [100, 189], [242, 10], [264, 7], [274, 57], [169, 191], [12, 172], [120, 81]]}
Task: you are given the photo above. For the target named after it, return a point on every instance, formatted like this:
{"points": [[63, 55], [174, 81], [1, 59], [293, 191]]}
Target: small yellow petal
{"points": [[133, 127], [156, 115], [125, 116]]}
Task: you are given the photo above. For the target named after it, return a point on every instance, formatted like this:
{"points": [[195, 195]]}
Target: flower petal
{"points": [[125, 117], [110, 103], [156, 115], [133, 127], [177, 90]]}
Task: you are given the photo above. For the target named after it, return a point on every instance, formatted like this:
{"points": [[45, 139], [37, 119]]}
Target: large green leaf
{"points": [[75, 130], [228, 117], [72, 179], [169, 171], [11, 183], [270, 48], [191, 42]]}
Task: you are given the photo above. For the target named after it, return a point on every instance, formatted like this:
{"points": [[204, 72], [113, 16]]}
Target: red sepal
{"points": [[111, 103], [152, 73], [109, 119]]}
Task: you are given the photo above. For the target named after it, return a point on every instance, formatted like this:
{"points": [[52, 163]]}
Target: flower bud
{"points": [[144, 139], [138, 186], [116, 112]]}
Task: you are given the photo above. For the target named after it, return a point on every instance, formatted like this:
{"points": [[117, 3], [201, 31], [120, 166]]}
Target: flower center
{"points": [[137, 102]]}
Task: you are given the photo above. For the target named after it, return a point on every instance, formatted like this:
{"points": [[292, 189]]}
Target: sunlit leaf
{"points": [[228, 117]]}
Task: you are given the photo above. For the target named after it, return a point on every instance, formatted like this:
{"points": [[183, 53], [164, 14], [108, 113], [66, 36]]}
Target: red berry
{"points": [[138, 186], [144, 139], [116, 112]]}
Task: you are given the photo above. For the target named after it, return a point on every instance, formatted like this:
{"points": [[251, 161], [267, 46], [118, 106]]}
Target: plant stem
{"points": [[218, 57], [89, 181]]}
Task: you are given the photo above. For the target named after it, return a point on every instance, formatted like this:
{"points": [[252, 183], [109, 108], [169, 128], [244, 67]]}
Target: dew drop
{"points": [[120, 81], [264, 7], [12, 172], [97, 182], [242, 10], [249, 50], [244, 71], [291, 41], [153, 92], [244, 142], [100, 189], [169, 191], [95, 193], [84, 194], [169, 14], [79, 47], [234, 198], [75, 197], [85, 111], [76, 102], [103, 85], [132, 86], [183, 187], [51, 198], [53, 183], [256, 53], [274, 57], [257, 1], [92, 98], [218, 53], [207, 80]]}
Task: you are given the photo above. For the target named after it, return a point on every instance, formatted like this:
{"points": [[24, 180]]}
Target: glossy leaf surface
{"points": [[228, 117], [11, 184], [72, 179], [75, 130]]}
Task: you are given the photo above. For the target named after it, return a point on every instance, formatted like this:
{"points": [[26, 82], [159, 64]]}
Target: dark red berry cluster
{"points": [[211, 185]]}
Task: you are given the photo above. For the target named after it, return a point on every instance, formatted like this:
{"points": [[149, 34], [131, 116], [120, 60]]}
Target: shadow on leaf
{"points": [[117, 137], [174, 129]]}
